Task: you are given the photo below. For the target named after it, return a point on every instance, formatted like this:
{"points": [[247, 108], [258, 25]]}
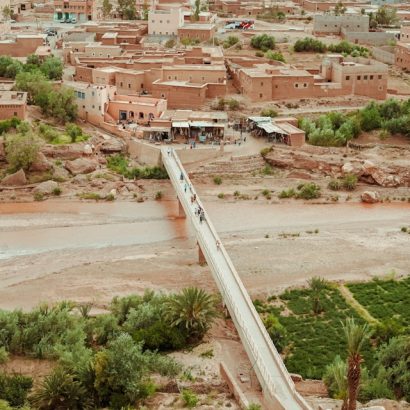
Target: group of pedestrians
{"points": [[198, 210]]}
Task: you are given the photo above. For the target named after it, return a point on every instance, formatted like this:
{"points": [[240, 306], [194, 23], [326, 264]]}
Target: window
{"points": [[365, 77], [371, 77], [380, 77], [296, 85], [15, 114], [260, 95], [347, 77], [261, 82], [141, 115], [167, 21], [304, 85], [162, 95], [358, 77], [93, 93], [129, 85], [121, 84]]}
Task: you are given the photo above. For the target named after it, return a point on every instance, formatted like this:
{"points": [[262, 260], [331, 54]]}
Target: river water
{"points": [[33, 228]]}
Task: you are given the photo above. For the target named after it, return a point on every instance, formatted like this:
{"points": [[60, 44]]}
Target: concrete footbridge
{"points": [[277, 386]]}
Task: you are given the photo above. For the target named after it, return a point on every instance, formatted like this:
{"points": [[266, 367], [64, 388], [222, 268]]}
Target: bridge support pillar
{"points": [[181, 211], [201, 257]]}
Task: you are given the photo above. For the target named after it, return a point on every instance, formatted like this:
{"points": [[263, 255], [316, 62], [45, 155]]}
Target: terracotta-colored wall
{"points": [[22, 47], [129, 83], [197, 33], [84, 74], [180, 96], [10, 110], [402, 56]]}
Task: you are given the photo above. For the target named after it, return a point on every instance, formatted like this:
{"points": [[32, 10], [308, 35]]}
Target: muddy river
{"points": [[56, 250]]}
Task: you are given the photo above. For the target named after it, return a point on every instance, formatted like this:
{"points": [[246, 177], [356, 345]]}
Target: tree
{"points": [[394, 357], [33, 60], [276, 331], [356, 335], [22, 150], [6, 12], [309, 44], [339, 9], [61, 105], [127, 9], [317, 285], [73, 131], [263, 42], [145, 10], [121, 370], [386, 16], [193, 310], [370, 118], [31, 82], [52, 68], [106, 8], [197, 10], [60, 390]]}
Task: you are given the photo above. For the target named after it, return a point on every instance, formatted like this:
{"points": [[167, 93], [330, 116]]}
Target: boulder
{"points": [[380, 176], [370, 197], [296, 377], [18, 179], [348, 168], [46, 187], [80, 166], [88, 149], [60, 173], [68, 152], [41, 164], [80, 179], [111, 146]]}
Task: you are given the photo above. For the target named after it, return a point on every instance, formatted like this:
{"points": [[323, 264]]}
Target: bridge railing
{"points": [[266, 380]]}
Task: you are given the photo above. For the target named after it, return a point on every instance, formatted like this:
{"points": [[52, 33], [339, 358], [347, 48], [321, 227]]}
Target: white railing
{"points": [[274, 396]]}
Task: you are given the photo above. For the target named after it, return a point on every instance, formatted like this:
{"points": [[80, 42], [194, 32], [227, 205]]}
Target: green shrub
{"points": [[15, 388], [287, 193], [308, 191], [269, 112], [189, 398], [57, 191], [349, 182], [263, 42], [90, 195], [221, 195], [335, 185], [275, 56], [73, 131], [265, 151], [309, 44], [158, 195], [39, 196], [259, 54], [217, 180], [119, 164], [22, 150], [233, 104]]}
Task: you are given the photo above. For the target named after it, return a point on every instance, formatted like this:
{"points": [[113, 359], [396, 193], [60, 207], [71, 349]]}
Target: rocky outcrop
{"points": [[380, 176], [81, 166], [112, 146], [16, 179], [67, 152], [370, 197], [41, 164], [60, 173], [46, 188]]}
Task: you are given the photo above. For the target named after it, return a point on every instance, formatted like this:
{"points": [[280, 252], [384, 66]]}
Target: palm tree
{"points": [[356, 335], [317, 285], [193, 309], [59, 391]]}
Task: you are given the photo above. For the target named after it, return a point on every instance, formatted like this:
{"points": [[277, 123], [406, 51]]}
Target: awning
{"points": [[155, 129], [180, 124], [271, 128], [203, 124], [260, 119]]}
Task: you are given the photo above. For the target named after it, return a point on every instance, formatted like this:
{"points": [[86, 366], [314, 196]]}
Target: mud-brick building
{"points": [[336, 77], [13, 104]]}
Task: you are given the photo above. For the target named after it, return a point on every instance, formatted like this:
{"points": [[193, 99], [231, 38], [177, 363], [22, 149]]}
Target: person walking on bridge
{"points": [[181, 177]]}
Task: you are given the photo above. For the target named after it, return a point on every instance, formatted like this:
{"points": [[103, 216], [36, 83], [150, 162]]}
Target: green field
{"points": [[313, 341], [385, 299]]}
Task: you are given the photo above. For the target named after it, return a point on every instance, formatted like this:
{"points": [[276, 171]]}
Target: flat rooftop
{"points": [[13, 97]]}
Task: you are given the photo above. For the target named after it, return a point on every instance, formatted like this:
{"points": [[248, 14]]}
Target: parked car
{"points": [[230, 26], [73, 20]]}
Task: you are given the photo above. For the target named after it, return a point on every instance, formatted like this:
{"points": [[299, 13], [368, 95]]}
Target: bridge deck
{"points": [[278, 388]]}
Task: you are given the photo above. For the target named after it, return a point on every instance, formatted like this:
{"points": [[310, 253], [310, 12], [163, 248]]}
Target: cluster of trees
{"points": [[344, 47], [263, 42], [333, 129], [384, 16], [336, 129], [103, 361], [51, 68], [389, 378], [58, 103]]}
